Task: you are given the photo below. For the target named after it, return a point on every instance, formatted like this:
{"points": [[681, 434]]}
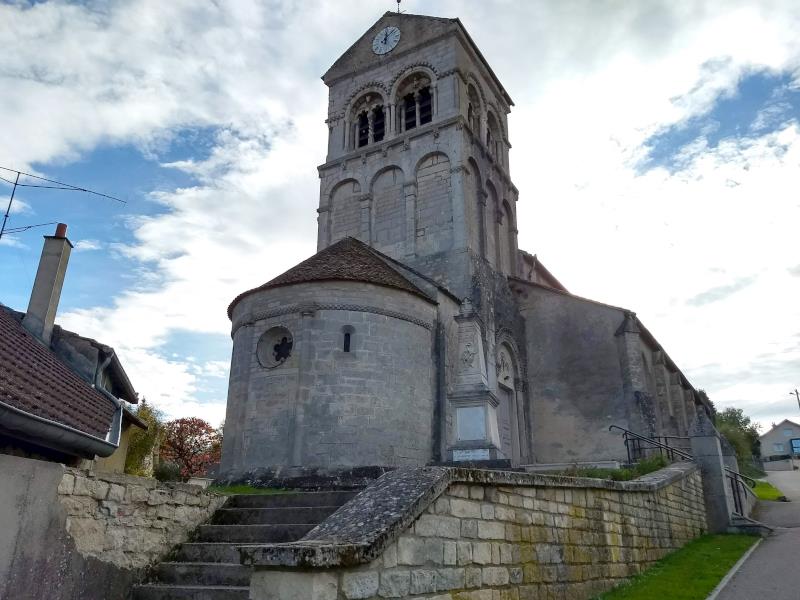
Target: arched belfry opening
{"points": [[367, 121], [414, 102], [493, 137], [473, 110]]}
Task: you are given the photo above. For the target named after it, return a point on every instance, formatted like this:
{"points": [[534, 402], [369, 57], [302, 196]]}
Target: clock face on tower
{"points": [[386, 39]]}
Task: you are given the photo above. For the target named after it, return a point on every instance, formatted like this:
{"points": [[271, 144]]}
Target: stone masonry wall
{"points": [[129, 521], [553, 537], [117, 524], [326, 408]]}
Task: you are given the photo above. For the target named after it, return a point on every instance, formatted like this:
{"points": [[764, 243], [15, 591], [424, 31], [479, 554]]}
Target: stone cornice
{"points": [[255, 316], [457, 120]]}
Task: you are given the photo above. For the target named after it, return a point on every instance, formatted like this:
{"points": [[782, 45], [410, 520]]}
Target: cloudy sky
{"points": [[656, 147]]}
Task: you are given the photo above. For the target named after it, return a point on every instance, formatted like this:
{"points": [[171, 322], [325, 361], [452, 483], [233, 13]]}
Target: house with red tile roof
{"points": [[62, 396]]}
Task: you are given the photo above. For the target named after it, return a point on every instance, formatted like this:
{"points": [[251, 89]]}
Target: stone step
{"points": [[202, 573], [293, 499], [274, 516], [289, 532], [209, 552], [190, 592]]}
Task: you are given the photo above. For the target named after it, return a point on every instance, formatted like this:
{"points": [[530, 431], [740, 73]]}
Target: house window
{"points": [[788, 432], [777, 447]]}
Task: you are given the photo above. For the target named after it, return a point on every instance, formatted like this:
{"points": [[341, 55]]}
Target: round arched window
{"points": [[274, 347]]}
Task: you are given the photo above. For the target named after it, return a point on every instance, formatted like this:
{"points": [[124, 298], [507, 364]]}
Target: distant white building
{"points": [[776, 444]]}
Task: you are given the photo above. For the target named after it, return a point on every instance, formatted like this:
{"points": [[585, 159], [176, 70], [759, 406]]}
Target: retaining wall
{"points": [[458, 534], [129, 521], [67, 534]]}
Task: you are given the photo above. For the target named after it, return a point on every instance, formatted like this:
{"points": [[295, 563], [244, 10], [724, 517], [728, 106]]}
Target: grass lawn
{"points": [[688, 574], [767, 491], [230, 490]]}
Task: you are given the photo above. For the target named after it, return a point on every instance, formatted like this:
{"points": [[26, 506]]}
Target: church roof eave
{"points": [[346, 260]]}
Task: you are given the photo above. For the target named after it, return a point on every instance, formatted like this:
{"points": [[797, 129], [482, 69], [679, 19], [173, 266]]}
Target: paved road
{"points": [[772, 571]]}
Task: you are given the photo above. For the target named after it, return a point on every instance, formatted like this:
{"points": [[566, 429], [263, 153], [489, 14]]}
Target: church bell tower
{"points": [[417, 162]]}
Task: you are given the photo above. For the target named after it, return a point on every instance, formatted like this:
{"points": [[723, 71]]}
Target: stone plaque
{"points": [[465, 455]]}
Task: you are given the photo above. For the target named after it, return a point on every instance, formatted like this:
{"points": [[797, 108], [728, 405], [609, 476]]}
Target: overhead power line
{"points": [[58, 185]]}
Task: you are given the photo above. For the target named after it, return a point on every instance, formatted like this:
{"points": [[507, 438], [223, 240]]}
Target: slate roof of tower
{"points": [[346, 260], [34, 380]]}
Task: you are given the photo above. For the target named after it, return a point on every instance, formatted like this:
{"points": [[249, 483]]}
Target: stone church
{"points": [[420, 333]]}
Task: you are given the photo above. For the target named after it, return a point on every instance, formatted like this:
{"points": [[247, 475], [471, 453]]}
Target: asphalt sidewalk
{"points": [[772, 571]]}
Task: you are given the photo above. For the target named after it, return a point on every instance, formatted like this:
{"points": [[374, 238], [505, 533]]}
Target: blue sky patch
{"points": [[761, 103], [123, 171]]}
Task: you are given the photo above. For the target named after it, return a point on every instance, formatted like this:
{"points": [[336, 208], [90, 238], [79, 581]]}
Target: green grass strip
{"points": [[767, 491], [230, 490], [690, 573]]}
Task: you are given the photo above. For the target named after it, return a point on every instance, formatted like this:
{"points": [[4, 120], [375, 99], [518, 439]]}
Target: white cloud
{"points": [[83, 245], [11, 241], [20, 207], [592, 82], [216, 368]]}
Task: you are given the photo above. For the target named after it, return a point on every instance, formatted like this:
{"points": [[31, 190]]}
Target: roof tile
{"points": [[346, 260], [34, 380]]}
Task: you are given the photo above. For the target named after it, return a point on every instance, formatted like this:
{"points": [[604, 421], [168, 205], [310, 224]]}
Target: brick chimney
{"points": [[41, 313]]}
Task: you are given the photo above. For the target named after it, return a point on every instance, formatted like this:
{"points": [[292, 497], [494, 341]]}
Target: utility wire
{"points": [[26, 227], [59, 185], [68, 186]]}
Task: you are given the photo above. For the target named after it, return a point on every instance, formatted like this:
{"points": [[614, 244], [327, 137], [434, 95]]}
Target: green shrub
{"points": [[167, 471], [143, 443], [643, 467]]}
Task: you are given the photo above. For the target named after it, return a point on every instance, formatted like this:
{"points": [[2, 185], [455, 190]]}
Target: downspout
{"points": [[100, 368], [115, 431]]}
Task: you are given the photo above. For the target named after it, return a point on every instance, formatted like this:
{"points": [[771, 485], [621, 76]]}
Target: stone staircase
{"points": [[208, 568]]}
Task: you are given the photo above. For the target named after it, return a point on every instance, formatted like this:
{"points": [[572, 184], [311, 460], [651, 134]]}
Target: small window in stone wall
{"points": [[347, 338], [274, 347], [777, 447]]}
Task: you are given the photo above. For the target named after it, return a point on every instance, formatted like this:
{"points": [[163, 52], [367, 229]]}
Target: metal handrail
{"points": [[737, 480], [628, 433], [669, 449], [752, 482]]}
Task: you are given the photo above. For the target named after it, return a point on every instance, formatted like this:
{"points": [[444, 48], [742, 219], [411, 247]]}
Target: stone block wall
{"points": [[128, 521], [489, 536], [326, 408], [67, 534]]}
